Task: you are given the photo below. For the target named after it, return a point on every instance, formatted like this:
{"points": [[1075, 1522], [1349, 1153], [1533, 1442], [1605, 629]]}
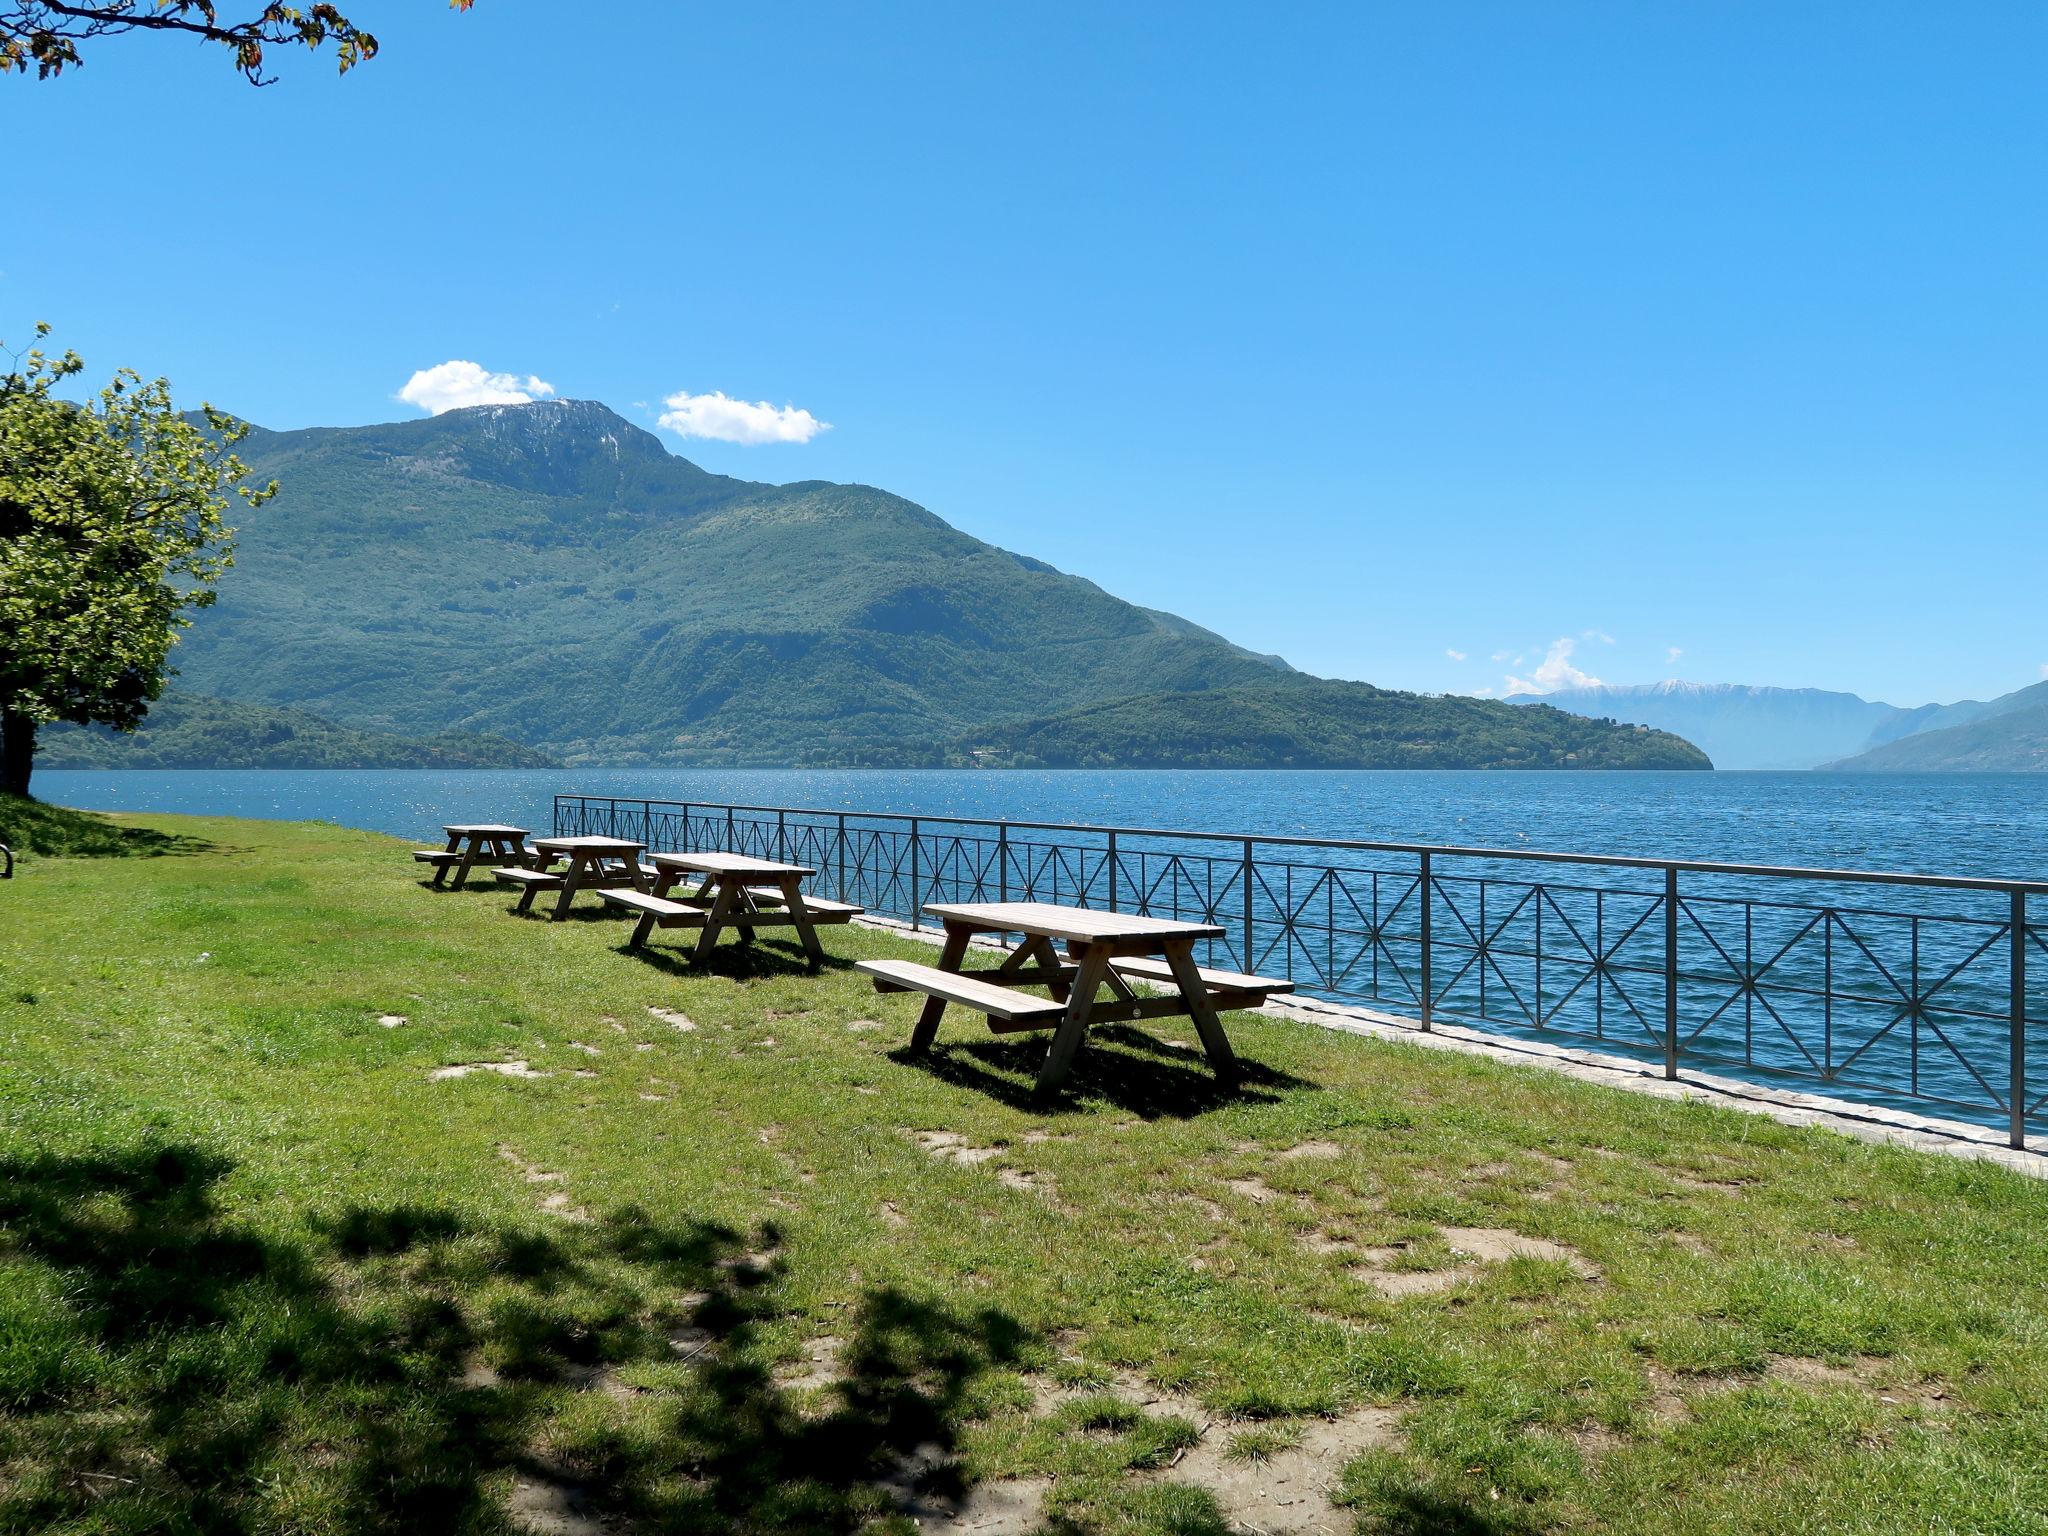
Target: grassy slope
{"points": [[188, 730], [1315, 723], [257, 1270]]}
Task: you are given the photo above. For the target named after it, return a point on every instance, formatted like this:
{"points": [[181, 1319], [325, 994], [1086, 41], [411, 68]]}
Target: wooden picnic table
{"points": [[593, 862], [471, 844], [1112, 949], [738, 891]]}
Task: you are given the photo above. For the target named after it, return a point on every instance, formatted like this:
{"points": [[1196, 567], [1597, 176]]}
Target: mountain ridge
{"points": [[552, 574], [1761, 726]]}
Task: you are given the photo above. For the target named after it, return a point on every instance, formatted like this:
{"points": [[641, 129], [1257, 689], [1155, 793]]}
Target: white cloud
{"points": [[1483, 693], [1554, 671], [1502, 655], [735, 421], [2044, 669], [1455, 655], [1671, 657], [451, 385], [1600, 635]]}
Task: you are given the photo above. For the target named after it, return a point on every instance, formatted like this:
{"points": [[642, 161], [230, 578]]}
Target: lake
{"points": [[1953, 824]]}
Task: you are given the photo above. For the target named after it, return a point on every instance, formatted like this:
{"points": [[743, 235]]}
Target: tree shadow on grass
{"points": [[57, 831], [1118, 1066], [404, 1367]]}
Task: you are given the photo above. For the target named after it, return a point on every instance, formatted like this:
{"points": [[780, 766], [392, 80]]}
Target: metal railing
{"points": [[1774, 973]]}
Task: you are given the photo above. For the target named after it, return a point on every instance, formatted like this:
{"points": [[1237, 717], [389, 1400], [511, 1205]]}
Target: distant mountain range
{"points": [[551, 575], [1751, 727]]}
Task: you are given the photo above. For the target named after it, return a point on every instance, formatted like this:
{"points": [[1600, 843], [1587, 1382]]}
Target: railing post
{"points": [[1425, 887], [2017, 1085], [916, 906], [1248, 961], [1112, 871], [782, 837], [840, 894], [646, 823], [1002, 861], [729, 845], [1671, 974]]}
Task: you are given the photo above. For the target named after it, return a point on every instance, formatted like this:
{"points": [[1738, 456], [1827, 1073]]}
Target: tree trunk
{"points": [[17, 751]]}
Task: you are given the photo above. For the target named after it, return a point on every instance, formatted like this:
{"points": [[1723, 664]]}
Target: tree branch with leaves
{"points": [[44, 35], [112, 527]]}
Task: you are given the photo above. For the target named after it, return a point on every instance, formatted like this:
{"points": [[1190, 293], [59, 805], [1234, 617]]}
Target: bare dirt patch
{"points": [[549, 1508], [1496, 1245], [862, 1026], [1290, 1490], [677, 1021], [1324, 1244], [391, 1020], [588, 1050], [502, 1068], [892, 1215], [1026, 1182], [952, 1147], [1008, 1508], [1321, 1150], [556, 1201], [1472, 1249], [819, 1368], [1256, 1190]]}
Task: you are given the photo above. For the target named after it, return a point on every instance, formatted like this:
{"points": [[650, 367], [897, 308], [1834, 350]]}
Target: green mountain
{"points": [[1313, 723], [551, 574], [2011, 738], [192, 731]]}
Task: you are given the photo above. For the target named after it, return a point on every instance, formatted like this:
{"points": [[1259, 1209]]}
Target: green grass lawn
{"points": [[262, 1270]]}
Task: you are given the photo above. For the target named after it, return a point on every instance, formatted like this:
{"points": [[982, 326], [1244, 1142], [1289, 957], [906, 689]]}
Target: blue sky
{"points": [[1406, 341]]}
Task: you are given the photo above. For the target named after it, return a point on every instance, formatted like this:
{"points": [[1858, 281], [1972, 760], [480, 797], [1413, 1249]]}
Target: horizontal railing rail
{"points": [[1776, 972]]}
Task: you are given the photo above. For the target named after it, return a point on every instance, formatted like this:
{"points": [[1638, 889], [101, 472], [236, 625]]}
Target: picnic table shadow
{"points": [[1119, 1066], [735, 961], [395, 1366]]}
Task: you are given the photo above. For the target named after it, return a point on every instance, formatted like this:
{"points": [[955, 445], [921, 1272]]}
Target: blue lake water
{"points": [[1953, 824], [1891, 995]]}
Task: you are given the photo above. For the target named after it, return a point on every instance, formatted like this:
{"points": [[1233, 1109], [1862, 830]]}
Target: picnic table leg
{"points": [[799, 914], [715, 919], [1048, 957], [950, 956], [1195, 993], [469, 858], [570, 881], [1066, 1040], [441, 870]]}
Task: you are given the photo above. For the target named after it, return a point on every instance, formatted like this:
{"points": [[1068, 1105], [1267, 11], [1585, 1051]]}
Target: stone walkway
{"points": [[1866, 1122]]}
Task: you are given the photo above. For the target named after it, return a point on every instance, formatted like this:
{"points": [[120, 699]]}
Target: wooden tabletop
{"points": [[730, 864], [587, 844], [482, 829], [1080, 925]]}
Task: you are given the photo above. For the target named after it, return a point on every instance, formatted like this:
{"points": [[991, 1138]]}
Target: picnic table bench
{"points": [[732, 890], [599, 862], [1103, 949], [471, 844]]}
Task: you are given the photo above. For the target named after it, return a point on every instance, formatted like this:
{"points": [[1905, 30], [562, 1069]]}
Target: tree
{"points": [[111, 528], [45, 34]]}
